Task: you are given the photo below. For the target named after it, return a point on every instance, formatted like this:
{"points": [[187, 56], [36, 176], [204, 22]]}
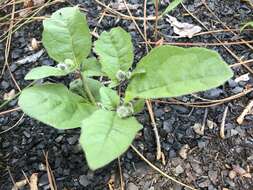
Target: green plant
{"points": [[107, 121], [247, 25]]}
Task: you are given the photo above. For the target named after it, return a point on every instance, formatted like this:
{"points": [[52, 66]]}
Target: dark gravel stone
{"points": [[84, 181], [168, 125], [214, 93], [72, 140]]}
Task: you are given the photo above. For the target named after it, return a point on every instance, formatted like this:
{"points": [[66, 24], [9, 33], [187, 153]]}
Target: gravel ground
{"points": [[202, 161]]}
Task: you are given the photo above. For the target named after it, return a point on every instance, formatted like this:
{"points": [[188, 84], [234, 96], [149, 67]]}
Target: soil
{"points": [[210, 163]]}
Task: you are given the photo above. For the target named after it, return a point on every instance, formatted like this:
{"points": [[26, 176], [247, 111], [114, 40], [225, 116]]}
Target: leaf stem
{"points": [[87, 89]]}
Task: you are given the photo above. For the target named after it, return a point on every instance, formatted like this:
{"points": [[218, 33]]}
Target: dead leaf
{"points": [[183, 29], [244, 78], [31, 58], [10, 95]]}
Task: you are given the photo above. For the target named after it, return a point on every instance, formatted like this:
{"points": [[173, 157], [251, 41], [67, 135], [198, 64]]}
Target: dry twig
{"points": [[158, 145], [245, 112], [222, 126]]}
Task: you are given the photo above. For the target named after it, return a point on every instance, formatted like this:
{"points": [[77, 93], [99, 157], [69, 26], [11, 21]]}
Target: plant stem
{"points": [[87, 89]]}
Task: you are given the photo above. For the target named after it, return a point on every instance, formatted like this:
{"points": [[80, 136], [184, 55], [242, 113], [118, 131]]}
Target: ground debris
{"points": [[245, 112], [31, 58], [184, 151], [19, 184], [183, 29], [241, 172], [199, 128], [120, 6], [9, 95]]}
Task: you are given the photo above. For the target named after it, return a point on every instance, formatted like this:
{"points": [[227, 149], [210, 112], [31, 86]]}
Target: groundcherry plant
{"points": [[106, 117]]}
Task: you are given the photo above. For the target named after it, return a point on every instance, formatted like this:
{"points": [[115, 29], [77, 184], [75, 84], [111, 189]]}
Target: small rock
{"points": [[34, 44], [184, 150], [27, 135], [213, 176], [42, 167], [179, 169], [196, 167], [5, 144], [43, 180], [59, 139], [237, 90], [132, 186], [201, 144], [198, 128], [204, 183], [214, 93], [233, 132], [4, 85], [210, 124], [168, 125], [83, 180], [232, 83], [232, 174], [172, 153], [72, 140], [180, 109]]}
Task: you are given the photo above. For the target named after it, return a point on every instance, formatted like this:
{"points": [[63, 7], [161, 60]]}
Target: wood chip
{"points": [[34, 181], [244, 78], [19, 184], [9, 95]]}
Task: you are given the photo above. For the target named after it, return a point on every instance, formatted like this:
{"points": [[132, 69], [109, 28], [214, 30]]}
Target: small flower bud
{"points": [[121, 75], [123, 111], [62, 66]]}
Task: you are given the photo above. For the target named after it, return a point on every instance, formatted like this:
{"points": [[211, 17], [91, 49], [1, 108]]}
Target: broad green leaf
{"points": [[115, 51], [55, 105], [138, 105], [109, 98], [43, 72], [77, 87], [66, 35], [105, 136], [172, 6], [246, 25], [174, 71], [91, 67]]}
